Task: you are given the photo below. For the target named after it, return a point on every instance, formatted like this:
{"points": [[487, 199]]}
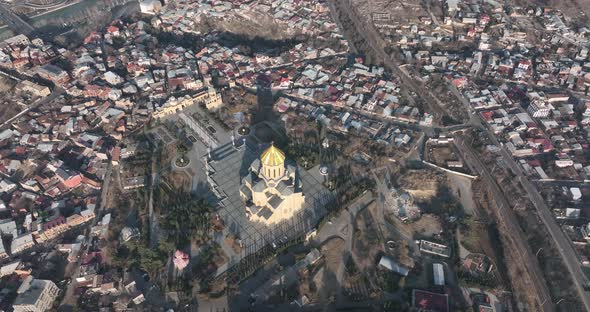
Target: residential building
{"points": [[439, 274], [35, 295]]}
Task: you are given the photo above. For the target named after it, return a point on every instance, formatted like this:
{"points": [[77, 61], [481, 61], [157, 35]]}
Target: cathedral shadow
{"points": [[266, 125], [289, 186]]}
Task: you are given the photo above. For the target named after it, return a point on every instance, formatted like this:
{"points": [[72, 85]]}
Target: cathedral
{"points": [[272, 189]]}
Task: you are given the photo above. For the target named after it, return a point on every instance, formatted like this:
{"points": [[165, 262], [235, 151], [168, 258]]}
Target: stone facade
{"points": [[272, 189]]}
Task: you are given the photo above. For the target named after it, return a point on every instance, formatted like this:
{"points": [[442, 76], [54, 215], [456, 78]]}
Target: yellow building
{"points": [[272, 189], [210, 98]]}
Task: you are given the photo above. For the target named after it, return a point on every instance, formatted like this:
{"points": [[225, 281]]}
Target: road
{"points": [[385, 226], [562, 242], [69, 298], [568, 183], [54, 95], [343, 226], [508, 219], [377, 45], [430, 130], [15, 22], [40, 6]]}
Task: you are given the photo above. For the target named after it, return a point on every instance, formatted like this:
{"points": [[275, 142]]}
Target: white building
{"points": [[150, 7], [113, 79], [8, 227], [439, 274], [21, 243], [17, 40], [576, 193], [272, 188], [35, 295], [33, 88], [390, 264], [539, 109]]}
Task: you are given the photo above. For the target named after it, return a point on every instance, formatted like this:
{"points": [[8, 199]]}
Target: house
{"points": [[6, 186], [71, 249], [21, 243], [8, 227], [33, 88], [53, 73], [18, 40], [435, 248], [12, 267]]}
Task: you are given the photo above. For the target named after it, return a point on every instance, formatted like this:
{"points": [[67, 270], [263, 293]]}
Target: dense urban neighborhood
{"points": [[287, 155]]}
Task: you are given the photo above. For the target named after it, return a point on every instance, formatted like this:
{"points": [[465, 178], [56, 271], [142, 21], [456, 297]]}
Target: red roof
{"points": [[73, 181], [20, 150], [487, 115], [53, 223], [116, 154], [430, 301], [534, 162]]}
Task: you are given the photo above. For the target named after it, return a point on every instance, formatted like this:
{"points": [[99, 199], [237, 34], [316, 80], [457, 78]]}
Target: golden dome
{"points": [[272, 156]]}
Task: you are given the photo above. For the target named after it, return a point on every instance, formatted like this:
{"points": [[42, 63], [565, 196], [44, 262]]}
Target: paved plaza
{"points": [[227, 165]]}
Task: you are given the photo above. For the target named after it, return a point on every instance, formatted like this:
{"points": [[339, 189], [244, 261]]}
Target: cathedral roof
{"points": [[272, 156]]}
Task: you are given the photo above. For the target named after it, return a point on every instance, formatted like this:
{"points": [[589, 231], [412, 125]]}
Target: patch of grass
{"points": [[471, 233]]}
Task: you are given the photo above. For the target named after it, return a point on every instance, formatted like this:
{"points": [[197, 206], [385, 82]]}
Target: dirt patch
{"points": [[367, 241], [8, 106], [428, 225], [232, 241], [325, 279], [6, 84], [461, 188], [251, 24], [421, 184], [179, 180]]}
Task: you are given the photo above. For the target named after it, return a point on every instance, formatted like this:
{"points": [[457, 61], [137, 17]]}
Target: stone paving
{"points": [[227, 165]]}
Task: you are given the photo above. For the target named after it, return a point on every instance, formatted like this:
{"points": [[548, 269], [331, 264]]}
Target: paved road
{"points": [[377, 45], [69, 300], [54, 95], [343, 227], [563, 243], [507, 218], [15, 22], [568, 183], [384, 225]]}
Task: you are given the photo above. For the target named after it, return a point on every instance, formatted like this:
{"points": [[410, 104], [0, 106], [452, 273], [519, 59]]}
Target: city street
{"points": [[69, 299], [508, 219]]}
